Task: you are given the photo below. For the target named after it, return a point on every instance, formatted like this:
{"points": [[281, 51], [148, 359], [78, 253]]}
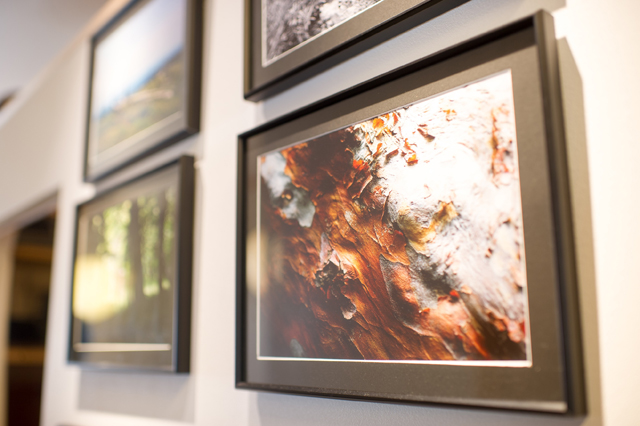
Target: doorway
{"points": [[28, 321]]}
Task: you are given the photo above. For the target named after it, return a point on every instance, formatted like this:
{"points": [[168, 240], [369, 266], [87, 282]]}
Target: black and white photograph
{"points": [[290, 23]]}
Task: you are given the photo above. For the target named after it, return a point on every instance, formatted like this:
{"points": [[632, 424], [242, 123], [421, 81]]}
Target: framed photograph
{"points": [[289, 41], [410, 239], [145, 83], [131, 298]]}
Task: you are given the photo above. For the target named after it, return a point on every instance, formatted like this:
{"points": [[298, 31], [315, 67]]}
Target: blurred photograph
{"points": [[138, 78], [125, 269]]}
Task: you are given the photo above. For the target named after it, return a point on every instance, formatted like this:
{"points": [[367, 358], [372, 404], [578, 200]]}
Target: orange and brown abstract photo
{"points": [[398, 238]]}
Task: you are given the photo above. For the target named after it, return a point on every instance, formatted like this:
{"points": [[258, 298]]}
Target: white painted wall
{"points": [[41, 147], [32, 33]]}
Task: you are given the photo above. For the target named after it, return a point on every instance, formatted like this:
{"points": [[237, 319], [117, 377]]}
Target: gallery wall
{"points": [[41, 152]]}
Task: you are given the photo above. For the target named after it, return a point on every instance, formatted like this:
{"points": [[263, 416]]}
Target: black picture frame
{"points": [[152, 92], [265, 77], [169, 319], [553, 382]]}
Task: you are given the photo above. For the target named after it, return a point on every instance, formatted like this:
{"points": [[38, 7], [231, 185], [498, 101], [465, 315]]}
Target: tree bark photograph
{"points": [[398, 238]]}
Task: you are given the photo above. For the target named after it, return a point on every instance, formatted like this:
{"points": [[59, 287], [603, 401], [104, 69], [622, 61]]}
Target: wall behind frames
{"points": [[599, 87]]}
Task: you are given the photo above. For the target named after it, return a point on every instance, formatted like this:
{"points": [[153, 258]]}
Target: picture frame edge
{"points": [[240, 267], [563, 213], [184, 293]]}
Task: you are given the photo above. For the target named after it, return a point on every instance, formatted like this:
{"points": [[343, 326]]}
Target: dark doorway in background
{"points": [[28, 321]]}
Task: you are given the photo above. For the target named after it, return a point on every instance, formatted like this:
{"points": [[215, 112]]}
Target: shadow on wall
{"points": [[6, 98], [283, 410], [576, 136], [159, 396]]}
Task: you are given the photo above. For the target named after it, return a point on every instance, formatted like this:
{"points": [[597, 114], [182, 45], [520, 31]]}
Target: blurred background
{"points": [[32, 33]]}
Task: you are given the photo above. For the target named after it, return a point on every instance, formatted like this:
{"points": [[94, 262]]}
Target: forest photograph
{"points": [[398, 238], [125, 268]]}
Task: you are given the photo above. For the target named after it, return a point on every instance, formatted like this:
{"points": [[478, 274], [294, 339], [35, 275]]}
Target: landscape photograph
{"points": [[125, 269], [289, 23], [138, 77], [398, 238]]}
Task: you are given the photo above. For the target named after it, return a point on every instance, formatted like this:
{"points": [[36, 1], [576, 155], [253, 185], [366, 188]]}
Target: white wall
{"points": [[41, 147], [32, 33]]}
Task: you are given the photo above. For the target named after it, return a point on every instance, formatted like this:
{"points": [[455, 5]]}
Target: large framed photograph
{"points": [[131, 299], [288, 41], [145, 83], [410, 239]]}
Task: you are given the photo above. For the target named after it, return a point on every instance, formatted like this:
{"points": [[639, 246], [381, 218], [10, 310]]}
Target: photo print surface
{"points": [[125, 269], [138, 78], [288, 24], [399, 238]]}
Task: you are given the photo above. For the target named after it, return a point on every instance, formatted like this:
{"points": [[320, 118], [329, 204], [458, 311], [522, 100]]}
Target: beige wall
{"points": [[41, 143]]}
